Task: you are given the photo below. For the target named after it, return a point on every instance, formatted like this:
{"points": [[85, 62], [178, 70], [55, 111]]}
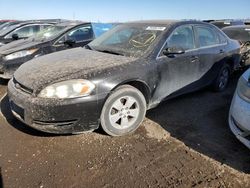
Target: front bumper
{"points": [[60, 116], [239, 118]]}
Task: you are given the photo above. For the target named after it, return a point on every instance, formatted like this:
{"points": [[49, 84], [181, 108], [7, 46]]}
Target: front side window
{"points": [[182, 37], [207, 37], [78, 34], [25, 31]]}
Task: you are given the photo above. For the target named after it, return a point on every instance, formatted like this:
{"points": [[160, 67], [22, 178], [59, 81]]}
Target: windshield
{"points": [[49, 32], [127, 39], [242, 35]]}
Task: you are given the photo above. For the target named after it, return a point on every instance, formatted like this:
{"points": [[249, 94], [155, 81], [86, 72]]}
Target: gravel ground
{"points": [[185, 142]]}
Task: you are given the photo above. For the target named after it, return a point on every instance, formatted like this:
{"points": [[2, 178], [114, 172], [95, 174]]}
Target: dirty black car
{"points": [[58, 37], [21, 30], [226, 23], [242, 34], [118, 76]]}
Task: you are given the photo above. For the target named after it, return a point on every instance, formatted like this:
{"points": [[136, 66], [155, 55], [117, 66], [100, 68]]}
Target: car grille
{"points": [[22, 87], [55, 123]]}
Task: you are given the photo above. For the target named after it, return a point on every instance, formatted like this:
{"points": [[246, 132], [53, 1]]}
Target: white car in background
{"points": [[239, 116]]}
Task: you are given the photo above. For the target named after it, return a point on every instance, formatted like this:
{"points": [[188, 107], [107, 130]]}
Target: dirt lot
{"points": [[185, 142]]}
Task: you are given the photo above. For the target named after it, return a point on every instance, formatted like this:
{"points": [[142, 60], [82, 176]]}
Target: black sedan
{"points": [[20, 30], [58, 37], [242, 34], [226, 23], [118, 76]]}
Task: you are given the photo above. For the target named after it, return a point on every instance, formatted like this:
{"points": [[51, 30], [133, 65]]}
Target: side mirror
{"points": [[173, 51], [70, 42], [15, 36]]}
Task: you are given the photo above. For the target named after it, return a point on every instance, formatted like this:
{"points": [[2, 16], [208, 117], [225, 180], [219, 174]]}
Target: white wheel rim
{"points": [[124, 112]]}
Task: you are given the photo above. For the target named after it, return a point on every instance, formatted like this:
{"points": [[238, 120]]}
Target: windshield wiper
{"points": [[110, 52]]}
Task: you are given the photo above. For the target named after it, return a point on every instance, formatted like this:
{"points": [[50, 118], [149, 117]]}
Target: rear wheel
{"points": [[222, 78], [123, 111]]}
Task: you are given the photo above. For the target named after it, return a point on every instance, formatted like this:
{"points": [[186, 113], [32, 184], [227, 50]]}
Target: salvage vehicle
{"points": [[8, 24], [239, 115], [58, 37], [6, 21], [242, 34], [113, 80], [22, 30], [225, 23]]}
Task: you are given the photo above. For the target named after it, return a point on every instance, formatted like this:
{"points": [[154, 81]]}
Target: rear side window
{"points": [[223, 39], [183, 37], [207, 37], [25, 31]]}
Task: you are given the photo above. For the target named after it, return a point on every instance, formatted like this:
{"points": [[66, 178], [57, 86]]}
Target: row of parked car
{"points": [[112, 80]]}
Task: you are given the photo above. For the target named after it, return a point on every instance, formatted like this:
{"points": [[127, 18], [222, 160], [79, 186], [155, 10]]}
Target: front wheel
{"points": [[222, 79], [123, 111]]}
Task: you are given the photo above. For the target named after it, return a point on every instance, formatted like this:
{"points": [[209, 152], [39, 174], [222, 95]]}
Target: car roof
{"points": [[72, 23], [168, 22]]}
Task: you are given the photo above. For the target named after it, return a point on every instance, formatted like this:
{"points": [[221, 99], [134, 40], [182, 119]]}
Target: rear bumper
{"points": [[239, 118], [60, 116]]}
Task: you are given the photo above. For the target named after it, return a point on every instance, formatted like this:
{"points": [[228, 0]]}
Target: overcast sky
{"points": [[124, 10]]}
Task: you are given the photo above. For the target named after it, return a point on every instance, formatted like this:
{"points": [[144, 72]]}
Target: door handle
{"points": [[194, 58]]}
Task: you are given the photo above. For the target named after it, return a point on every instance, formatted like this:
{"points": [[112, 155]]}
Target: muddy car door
{"points": [[210, 49], [179, 68], [76, 37]]}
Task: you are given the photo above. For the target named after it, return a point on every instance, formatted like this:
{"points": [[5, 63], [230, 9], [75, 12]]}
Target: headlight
{"points": [[243, 87], [68, 89], [20, 54], [1, 44]]}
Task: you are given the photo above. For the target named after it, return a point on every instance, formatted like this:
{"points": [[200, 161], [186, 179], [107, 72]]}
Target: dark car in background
{"points": [[121, 74], [21, 30], [242, 34], [5, 21], [5, 25], [225, 23], [58, 37]]}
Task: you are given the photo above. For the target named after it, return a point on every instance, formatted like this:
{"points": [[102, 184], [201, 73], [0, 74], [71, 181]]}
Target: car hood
{"points": [[68, 64], [18, 45]]}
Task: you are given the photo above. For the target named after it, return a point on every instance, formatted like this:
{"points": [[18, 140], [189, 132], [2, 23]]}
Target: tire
{"points": [[123, 111], [222, 79]]}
